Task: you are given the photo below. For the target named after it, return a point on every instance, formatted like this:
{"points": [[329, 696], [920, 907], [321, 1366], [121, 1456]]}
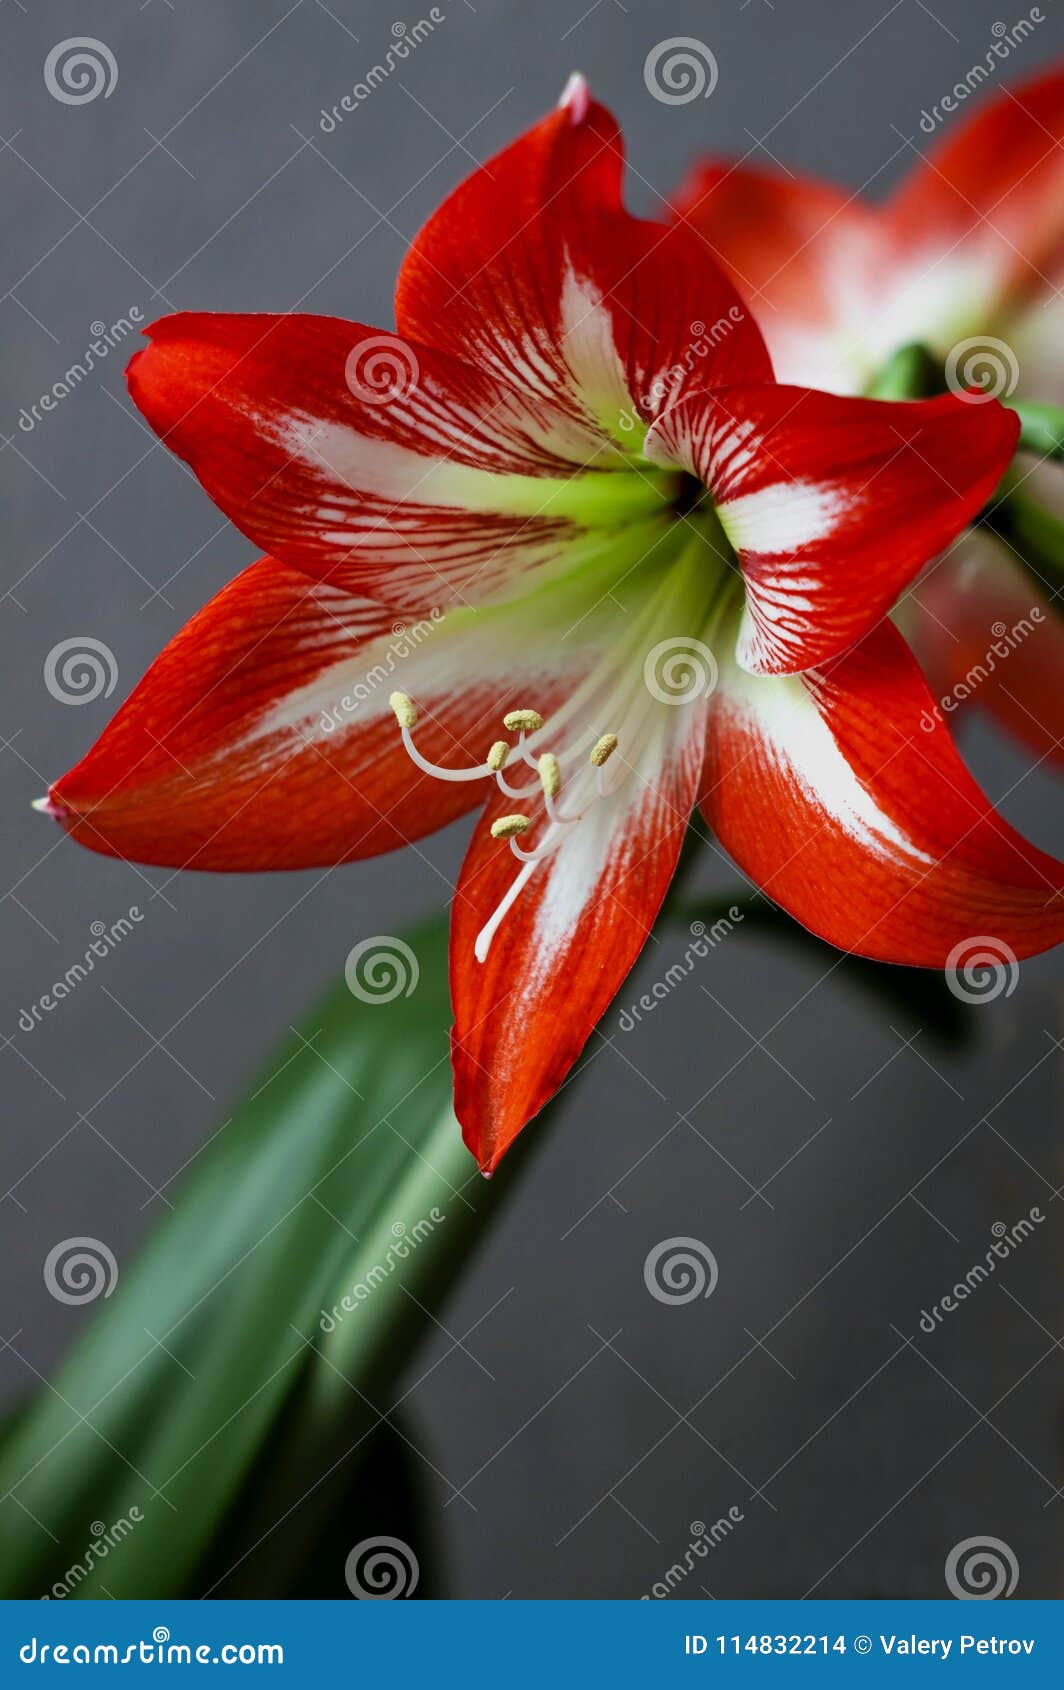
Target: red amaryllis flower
{"points": [[967, 257], [574, 480]]}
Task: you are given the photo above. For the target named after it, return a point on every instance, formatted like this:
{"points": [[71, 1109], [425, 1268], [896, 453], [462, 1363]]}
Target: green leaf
{"points": [[197, 1405]]}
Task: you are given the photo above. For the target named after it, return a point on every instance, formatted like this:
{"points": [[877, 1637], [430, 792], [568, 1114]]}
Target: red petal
{"points": [[808, 257], [445, 484], [832, 504], [562, 950], [991, 194], [262, 737], [842, 794], [986, 634], [533, 268]]}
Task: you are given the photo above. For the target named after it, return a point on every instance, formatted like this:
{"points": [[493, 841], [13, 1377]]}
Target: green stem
{"points": [[1041, 428], [913, 372]]}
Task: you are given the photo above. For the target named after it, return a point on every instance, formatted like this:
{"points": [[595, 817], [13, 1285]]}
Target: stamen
{"points": [[523, 721], [603, 750], [498, 754], [405, 709], [547, 766], [550, 774], [491, 926], [507, 827]]}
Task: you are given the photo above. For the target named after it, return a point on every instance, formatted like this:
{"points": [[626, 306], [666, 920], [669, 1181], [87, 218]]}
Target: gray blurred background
{"points": [[843, 1177]]}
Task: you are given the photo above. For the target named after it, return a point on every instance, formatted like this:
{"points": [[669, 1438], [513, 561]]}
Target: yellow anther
{"points": [[405, 709], [496, 758], [522, 721], [603, 750], [550, 774], [508, 827]]}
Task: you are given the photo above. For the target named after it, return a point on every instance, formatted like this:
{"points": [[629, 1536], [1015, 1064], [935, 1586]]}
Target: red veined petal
{"points": [[987, 634], [533, 268], [446, 485], [982, 218], [842, 794], [832, 504], [563, 948], [262, 736], [806, 256]]}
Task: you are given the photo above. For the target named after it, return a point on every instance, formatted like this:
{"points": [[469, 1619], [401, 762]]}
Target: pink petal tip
{"points": [[576, 95]]}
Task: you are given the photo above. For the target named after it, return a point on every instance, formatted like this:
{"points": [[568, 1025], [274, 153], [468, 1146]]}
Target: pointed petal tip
{"points": [[576, 97], [47, 806]]}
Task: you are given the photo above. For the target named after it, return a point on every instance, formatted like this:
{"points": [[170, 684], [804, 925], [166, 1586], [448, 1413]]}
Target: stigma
{"points": [[548, 790]]}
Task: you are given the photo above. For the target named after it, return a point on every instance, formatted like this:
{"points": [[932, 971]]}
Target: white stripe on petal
{"points": [[784, 517], [782, 714]]}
